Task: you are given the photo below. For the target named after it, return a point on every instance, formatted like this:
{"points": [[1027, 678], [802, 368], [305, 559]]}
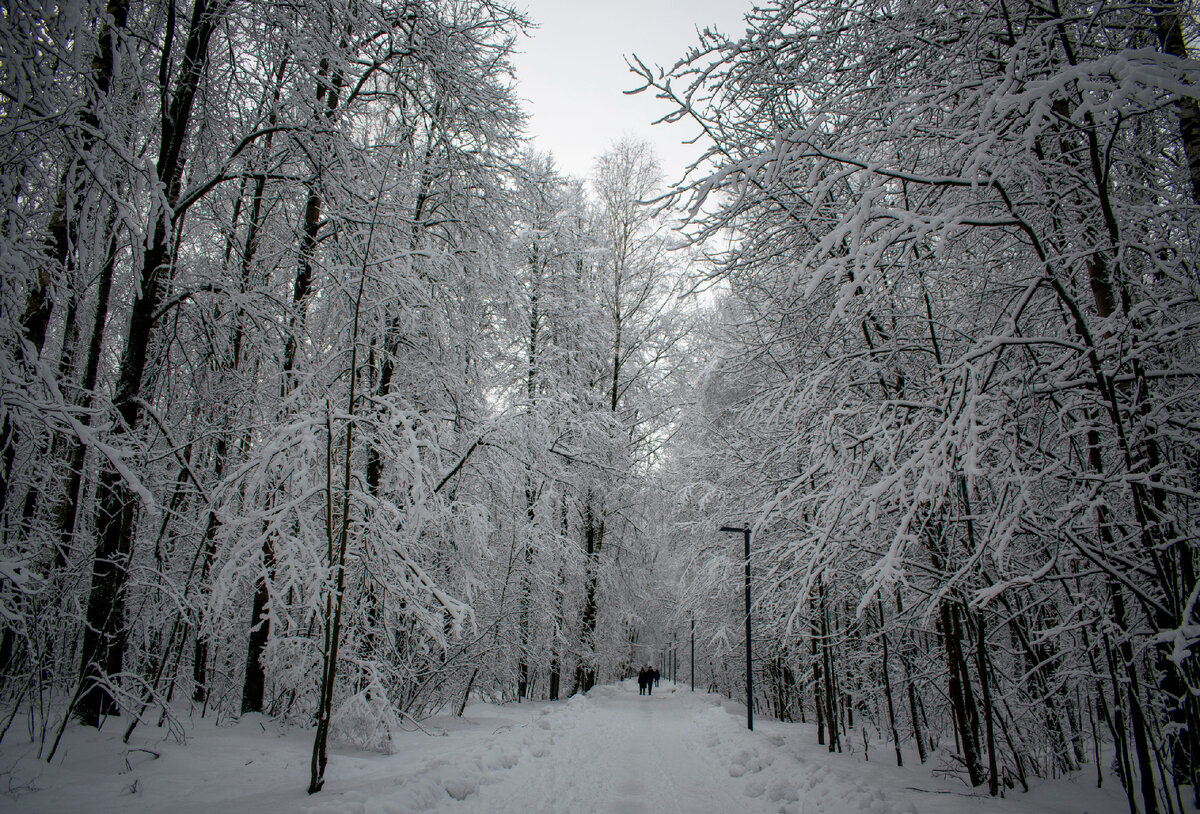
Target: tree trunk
{"points": [[961, 699], [1137, 718], [818, 703], [213, 524], [555, 677], [982, 665], [1120, 739], [887, 683], [63, 228], [530, 493], [1169, 24], [254, 684], [104, 635], [208, 553], [831, 715], [68, 510], [555, 656], [585, 671], [327, 92], [337, 565], [526, 588], [390, 346], [911, 691]]}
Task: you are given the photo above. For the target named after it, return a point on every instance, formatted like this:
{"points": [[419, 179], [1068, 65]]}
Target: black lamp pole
{"points": [[745, 532], [693, 660]]}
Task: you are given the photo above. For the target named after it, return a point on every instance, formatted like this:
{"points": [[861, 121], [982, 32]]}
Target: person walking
{"points": [[643, 681]]}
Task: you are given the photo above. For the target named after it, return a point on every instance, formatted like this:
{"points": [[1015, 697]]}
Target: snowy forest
{"points": [[326, 396]]}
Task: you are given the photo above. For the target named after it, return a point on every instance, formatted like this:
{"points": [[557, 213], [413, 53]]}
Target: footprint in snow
{"points": [[783, 791], [460, 788]]}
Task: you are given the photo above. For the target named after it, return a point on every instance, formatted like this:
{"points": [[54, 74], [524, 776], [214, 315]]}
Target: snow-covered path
{"points": [[622, 753], [610, 752]]}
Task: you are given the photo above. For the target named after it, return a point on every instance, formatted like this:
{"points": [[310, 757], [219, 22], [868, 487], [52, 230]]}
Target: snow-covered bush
{"points": [[366, 720]]}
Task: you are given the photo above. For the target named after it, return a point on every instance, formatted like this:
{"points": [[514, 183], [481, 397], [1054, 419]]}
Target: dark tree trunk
{"points": [[585, 671], [389, 347], [526, 588], [337, 564], [1123, 758], [962, 699], [530, 492], [1169, 24], [254, 685], [1018, 763], [555, 677], [911, 691], [786, 684], [63, 229], [327, 93], [68, 510], [104, 634], [207, 555], [887, 683], [818, 703], [1137, 718], [555, 657], [831, 713], [982, 665], [246, 266]]}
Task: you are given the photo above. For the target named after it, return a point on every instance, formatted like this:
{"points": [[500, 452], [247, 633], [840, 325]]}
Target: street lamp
{"points": [[693, 659], [745, 532]]}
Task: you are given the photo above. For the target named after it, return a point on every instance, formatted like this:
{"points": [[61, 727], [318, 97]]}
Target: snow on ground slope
{"points": [[613, 751]]}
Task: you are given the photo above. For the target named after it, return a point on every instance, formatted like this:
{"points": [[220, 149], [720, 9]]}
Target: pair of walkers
{"points": [[647, 680]]}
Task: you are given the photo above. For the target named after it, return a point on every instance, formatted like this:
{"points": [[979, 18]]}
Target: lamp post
{"points": [[745, 532], [693, 659], [675, 657]]}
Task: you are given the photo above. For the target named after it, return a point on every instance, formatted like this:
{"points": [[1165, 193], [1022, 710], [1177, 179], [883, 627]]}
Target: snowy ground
{"points": [[612, 751]]}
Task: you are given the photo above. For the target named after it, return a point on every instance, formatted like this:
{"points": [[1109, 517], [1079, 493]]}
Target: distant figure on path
{"points": [[654, 674], [646, 681]]}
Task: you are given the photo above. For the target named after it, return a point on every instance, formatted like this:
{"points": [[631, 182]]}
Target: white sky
{"points": [[572, 73]]}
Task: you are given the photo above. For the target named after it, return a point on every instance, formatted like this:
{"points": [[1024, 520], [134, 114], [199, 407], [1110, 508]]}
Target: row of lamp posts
{"points": [[745, 532]]}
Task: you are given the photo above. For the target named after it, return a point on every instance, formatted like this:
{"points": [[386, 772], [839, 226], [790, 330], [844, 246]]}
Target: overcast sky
{"points": [[572, 72]]}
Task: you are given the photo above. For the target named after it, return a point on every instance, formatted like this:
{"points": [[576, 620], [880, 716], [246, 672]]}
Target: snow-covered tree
{"points": [[963, 371]]}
